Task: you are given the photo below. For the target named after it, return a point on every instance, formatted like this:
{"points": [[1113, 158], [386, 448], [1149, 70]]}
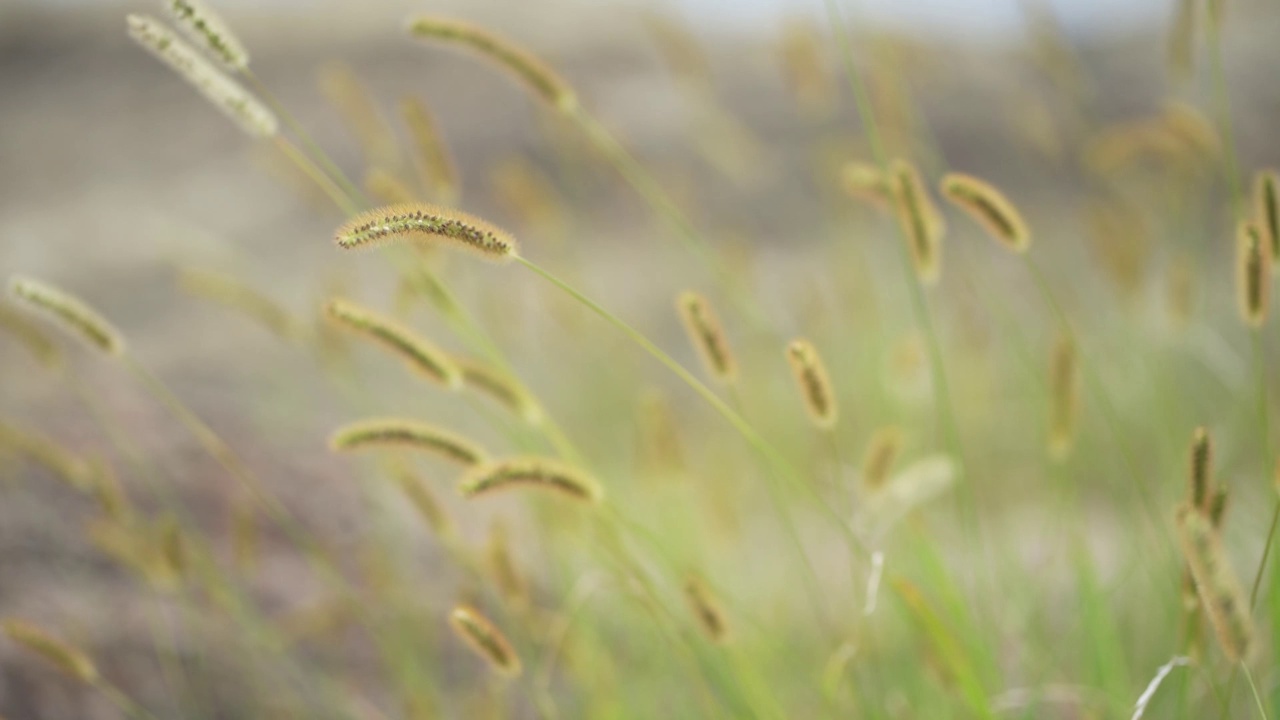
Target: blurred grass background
{"points": [[116, 174]]}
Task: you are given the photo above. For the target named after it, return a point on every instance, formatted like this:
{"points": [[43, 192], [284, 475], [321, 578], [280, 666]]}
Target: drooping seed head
{"points": [[234, 294], [71, 313], [424, 357], [990, 208], [419, 221], [1253, 274], [226, 94], [814, 385], [505, 390], [1064, 383], [531, 472], [882, 450], [536, 75], [408, 435], [708, 336], [1266, 201], [486, 640], [205, 28], [72, 661], [435, 164], [1218, 508], [919, 219], [1219, 587]]}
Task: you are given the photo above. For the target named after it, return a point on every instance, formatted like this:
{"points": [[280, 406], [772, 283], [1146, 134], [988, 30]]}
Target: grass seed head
{"points": [[814, 384], [205, 28], [408, 435], [483, 637], [532, 472], [990, 208], [71, 313], [428, 223]]}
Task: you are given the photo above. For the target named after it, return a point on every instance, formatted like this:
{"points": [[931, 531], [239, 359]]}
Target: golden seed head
{"points": [[483, 637], [1216, 582], [435, 164], [1201, 469], [419, 221], [406, 434], [505, 390], [921, 224], [533, 472], [205, 28], [420, 355], [1253, 271], [815, 386], [1064, 382], [219, 89], [536, 75], [70, 312], [70, 660], [989, 207], [882, 450], [708, 336]]}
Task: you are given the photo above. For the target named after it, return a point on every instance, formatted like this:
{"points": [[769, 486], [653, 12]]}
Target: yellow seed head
{"points": [[1064, 383], [921, 224], [407, 434], [502, 388], [882, 450], [815, 387], [70, 660], [1216, 582], [708, 336], [226, 94], [990, 208], [435, 164], [536, 75], [1253, 274], [422, 356], [483, 637], [533, 472], [419, 221], [70, 312]]}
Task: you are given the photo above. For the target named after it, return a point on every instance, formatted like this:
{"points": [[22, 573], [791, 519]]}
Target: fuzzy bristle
{"points": [[990, 208], [419, 221], [406, 434], [420, 355]]}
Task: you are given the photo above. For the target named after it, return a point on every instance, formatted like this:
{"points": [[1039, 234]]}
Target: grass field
{"points": [[831, 373]]}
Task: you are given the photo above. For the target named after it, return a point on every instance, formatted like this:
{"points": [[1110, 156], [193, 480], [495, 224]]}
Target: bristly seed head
{"points": [[540, 78], [226, 94], [533, 472], [419, 221], [483, 637], [73, 314], [921, 224], [70, 660], [1219, 587], [421, 355], [200, 23], [1253, 271], [708, 336], [1201, 469], [815, 386], [1267, 208], [408, 434], [989, 207]]}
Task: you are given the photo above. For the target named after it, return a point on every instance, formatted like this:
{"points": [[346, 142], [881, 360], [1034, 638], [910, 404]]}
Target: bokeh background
{"points": [[115, 177]]}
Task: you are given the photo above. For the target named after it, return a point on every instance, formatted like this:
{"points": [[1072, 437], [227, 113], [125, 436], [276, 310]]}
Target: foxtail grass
{"points": [[419, 354], [408, 435], [486, 640], [1219, 588], [426, 223], [531, 472], [206, 28], [68, 312], [990, 208], [707, 336]]}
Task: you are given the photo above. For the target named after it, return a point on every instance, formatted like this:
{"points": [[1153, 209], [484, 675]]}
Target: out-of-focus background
{"points": [[116, 178]]}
